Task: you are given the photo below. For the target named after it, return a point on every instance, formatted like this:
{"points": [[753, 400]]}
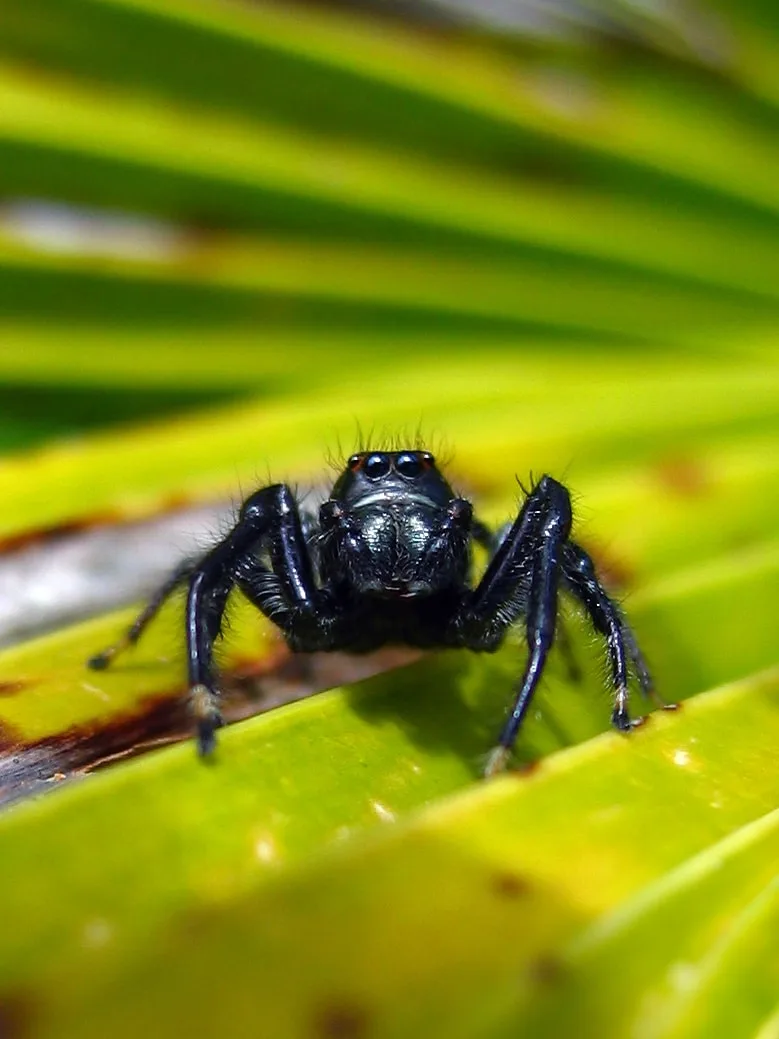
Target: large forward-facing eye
{"points": [[376, 466], [408, 464]]}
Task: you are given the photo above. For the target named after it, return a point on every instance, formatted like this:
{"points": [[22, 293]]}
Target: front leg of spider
{"points": [[537, 540], [523, 579], [182, 573], [286, 593], [607, 619], [579, 574], [269, 520]]}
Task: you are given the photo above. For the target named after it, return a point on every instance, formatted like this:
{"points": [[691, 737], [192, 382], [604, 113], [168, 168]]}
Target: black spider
{"points": [[388, 560]]}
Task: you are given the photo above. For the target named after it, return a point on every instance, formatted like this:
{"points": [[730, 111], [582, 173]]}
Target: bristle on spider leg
{"points": [[620, 718], [497, 760]]}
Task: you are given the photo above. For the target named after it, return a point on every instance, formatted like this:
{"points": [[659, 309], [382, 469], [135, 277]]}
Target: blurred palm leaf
{"points": [[559, 252]]}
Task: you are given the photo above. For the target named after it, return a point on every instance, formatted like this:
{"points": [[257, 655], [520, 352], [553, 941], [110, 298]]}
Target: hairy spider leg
{"points": [[549, 511], [286, 593], [492, 540], [579, 572], [485, 536], [537, 555], [182, 573], [521, 578], [606, 616]]}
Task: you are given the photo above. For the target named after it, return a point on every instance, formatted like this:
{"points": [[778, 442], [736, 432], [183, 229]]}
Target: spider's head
{"points": [[388, 526], [391, 476]]}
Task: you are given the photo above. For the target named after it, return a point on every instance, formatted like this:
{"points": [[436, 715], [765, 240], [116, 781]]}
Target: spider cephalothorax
{"points": [[393, 528], [387, 560]]}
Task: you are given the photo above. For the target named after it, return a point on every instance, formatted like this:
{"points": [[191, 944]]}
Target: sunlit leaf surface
{"points": [[471, 909]]}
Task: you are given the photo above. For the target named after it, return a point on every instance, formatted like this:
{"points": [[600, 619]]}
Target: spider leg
{"points": [[640, 666], [529, 557], [182, 573], [580, 576], [271, 517], [286, 592], [645, 682], [554, 527], [486, 537], [492, 540]]}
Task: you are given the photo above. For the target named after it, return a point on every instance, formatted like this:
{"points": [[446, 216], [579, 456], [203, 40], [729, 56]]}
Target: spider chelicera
{"points": [[388, 561]]}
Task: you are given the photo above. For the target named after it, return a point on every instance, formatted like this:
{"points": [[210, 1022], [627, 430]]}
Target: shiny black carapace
{"points": [[388, 560]]}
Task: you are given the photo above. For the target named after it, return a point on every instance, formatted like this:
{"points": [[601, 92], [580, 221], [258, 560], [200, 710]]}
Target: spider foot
{"points": [[496, 761], [101, 661], [622, 721], [620, 718], [208, 718]]}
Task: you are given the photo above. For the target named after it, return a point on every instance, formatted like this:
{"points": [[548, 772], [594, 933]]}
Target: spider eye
{"points": [[427, 458], [354, 462], [408, 465], [376, 466]]}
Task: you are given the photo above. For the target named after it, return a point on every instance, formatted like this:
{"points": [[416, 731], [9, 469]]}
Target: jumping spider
{"points": [[388, 560]]}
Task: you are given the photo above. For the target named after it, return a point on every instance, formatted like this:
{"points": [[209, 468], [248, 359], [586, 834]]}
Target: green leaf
{"points": [[706, 960], [77, 144], [524, 411], [660, 128], [465, 909], [366, 288]]}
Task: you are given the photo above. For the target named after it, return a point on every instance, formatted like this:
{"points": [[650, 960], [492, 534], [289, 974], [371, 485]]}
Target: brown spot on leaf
{"points": [[509, 885], [163, 717], [106, 518], [614, 571], [176, 502], [15, 1016], [14, 542], [546, 970], [341, 1021], [525, 768], [29, 766], [683, 476], [11, 688], [10, 738], [279, 659]]}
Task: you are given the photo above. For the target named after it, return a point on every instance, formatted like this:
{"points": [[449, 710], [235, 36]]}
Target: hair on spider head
{"points": [[389, 442]]}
